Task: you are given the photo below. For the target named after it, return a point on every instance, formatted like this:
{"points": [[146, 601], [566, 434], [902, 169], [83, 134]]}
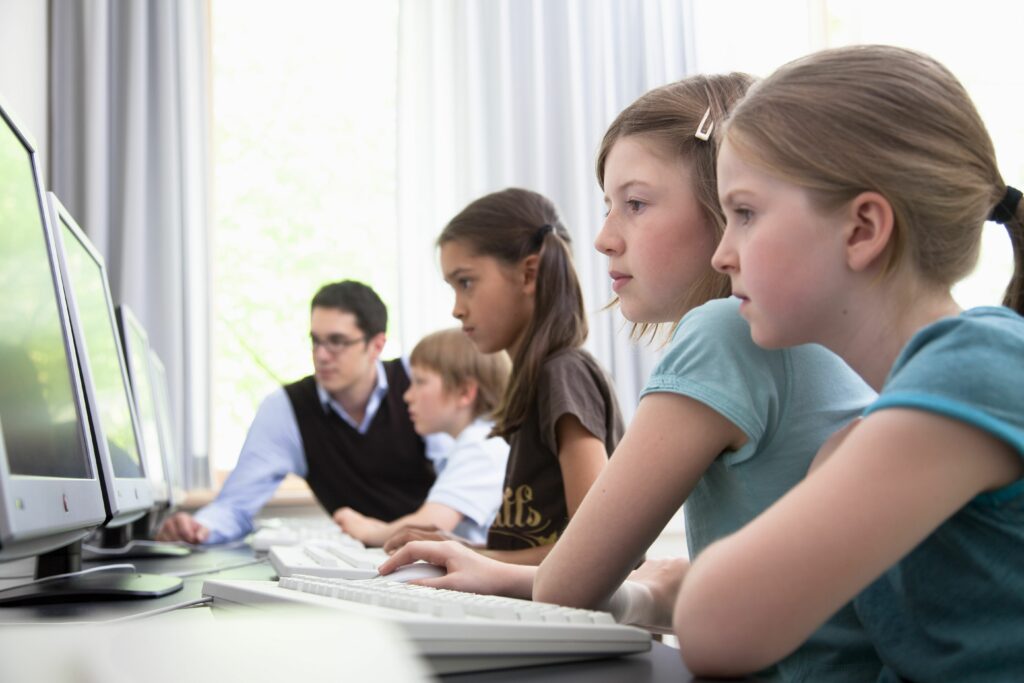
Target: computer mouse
{"points": [[414, 571]]}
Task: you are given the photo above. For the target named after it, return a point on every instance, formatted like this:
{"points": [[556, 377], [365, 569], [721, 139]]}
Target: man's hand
{"points": [[419, 533], [182, 526]]}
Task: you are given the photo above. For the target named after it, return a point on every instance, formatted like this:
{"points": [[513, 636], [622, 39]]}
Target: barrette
{"points": [[702, 134]]}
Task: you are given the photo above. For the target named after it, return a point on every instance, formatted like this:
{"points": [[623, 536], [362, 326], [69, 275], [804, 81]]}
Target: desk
{"points": [[662, 663]]}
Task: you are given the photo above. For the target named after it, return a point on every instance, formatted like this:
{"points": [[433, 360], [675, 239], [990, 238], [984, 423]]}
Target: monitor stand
{"points": [[59, 578], [119, 543]]}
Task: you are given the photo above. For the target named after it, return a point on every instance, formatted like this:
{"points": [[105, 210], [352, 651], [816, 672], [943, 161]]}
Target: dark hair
{"points": [[668, 117], [359, 300], [509, 226]]}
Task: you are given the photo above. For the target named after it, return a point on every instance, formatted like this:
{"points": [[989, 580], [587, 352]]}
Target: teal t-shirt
{"points": [[787, 402], [953, 609]]}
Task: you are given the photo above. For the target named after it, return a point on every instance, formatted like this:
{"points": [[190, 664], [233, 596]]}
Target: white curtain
{"points": [[519, 93], [129, 158]]}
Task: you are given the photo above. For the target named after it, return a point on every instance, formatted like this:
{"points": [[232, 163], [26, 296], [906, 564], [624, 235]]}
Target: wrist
{"points": [[515, 580]]}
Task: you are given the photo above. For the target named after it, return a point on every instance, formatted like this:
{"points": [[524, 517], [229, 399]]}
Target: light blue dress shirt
{"points": [[273, 449]]}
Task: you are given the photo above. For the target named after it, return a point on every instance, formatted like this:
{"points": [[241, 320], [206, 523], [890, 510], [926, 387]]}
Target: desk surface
{"points": [[662, 663]]}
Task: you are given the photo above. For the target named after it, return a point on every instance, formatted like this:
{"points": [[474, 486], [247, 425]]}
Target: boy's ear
{"points": [[466, 394], [868, 231]]}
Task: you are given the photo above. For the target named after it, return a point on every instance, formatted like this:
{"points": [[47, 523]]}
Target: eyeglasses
{"points": [[335, 343]]}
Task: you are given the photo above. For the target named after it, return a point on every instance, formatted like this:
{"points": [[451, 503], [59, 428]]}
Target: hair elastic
{"points": [[1006, 210], [542, 232]]}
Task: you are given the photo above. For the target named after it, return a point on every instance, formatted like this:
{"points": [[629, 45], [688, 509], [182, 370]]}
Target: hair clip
{"points": [[702, 134]]}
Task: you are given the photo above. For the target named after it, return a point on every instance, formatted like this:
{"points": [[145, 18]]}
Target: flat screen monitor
{"points": [[172, 456], [50, 491], [115, 427], [136, 350]]}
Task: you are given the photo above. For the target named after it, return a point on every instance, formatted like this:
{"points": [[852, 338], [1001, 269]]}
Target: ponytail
{"points": [[510, 226], [1010, 213]]}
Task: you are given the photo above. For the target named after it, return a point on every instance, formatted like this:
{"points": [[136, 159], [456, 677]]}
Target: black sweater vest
{"points": [[383, 473]]}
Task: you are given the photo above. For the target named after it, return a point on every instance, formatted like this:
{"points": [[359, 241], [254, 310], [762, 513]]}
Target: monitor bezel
{"points": [[128, 498], [39, 514], [126, 319]]}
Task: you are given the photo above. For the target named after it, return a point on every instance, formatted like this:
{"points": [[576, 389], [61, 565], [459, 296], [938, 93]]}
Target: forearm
{"points": [[527, 556], [442, 517]]}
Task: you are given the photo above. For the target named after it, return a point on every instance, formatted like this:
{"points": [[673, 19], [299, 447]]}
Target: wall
{"points": [[24, 67]]}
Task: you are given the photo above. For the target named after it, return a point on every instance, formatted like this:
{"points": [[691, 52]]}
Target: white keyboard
{"points": [[455, 631], [333, 559], [289, 531]]}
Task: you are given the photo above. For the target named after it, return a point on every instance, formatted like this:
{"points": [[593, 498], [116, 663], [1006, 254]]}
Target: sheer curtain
{"points": [[519, 93], [129, 147]]}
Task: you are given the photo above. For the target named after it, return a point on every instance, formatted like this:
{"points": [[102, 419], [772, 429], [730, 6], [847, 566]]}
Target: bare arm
{"points": [[890, 483], [375, 532], [581, 457], [670, 443]]}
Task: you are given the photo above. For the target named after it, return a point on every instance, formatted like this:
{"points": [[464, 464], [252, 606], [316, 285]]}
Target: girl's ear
{"points": [[528, 269], [869, 230]]}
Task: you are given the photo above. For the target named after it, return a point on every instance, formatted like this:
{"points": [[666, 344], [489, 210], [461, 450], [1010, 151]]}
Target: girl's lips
{"points": [[619, 280]]}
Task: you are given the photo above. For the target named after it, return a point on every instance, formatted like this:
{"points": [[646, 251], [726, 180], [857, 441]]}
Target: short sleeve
{"points": [[568, 386], [968, 368], [712, 359]]}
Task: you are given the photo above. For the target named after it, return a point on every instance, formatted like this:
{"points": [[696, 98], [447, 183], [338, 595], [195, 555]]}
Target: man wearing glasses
{"points": [[345, 429]]}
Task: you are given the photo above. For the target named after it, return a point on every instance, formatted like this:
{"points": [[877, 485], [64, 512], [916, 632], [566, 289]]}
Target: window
{"points": [[304, 140]]}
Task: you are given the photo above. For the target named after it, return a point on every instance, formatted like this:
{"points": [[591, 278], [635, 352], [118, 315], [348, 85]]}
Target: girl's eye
{"points": [[635, 205], [463, 282], [744, 215]]}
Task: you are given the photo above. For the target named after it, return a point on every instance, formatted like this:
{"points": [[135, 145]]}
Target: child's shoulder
{"points": [[571, 357], [979, 336]]}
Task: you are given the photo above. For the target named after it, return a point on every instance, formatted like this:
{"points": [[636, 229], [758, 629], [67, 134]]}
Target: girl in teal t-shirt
{"points": [[723, 425], [855, 183]]}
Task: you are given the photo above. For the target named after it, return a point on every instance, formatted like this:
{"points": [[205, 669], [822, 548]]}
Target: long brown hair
{"points": [[667, 117], [509, 226], [890, 120]]}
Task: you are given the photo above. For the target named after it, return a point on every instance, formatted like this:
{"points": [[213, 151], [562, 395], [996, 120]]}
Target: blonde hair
{"points": [[890, 120], [509, 226], [667, 118], [452, 355]]}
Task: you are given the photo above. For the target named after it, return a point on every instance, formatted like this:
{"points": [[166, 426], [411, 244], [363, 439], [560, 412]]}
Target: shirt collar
{"points": [[380, 390]]}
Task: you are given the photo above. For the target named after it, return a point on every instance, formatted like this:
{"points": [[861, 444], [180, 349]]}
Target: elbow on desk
{"points": [[720, 635]]}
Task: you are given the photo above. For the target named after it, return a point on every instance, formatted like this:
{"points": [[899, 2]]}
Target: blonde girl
{"points": [[855, 184]]}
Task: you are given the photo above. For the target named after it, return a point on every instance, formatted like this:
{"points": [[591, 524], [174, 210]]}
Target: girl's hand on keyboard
{"points": [[468, 571]]}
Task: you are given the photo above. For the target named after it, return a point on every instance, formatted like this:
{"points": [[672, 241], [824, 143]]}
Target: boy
{"points": [[454, 389]]}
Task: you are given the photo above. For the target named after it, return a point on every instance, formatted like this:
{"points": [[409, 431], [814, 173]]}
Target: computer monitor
{"points": [[115, 425], [136, 351], [51, 482], [123, 417], [172, 456], [50, 492]]}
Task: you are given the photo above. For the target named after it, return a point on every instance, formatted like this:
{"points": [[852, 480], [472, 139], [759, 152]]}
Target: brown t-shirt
{"points": [[533, 512]]}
